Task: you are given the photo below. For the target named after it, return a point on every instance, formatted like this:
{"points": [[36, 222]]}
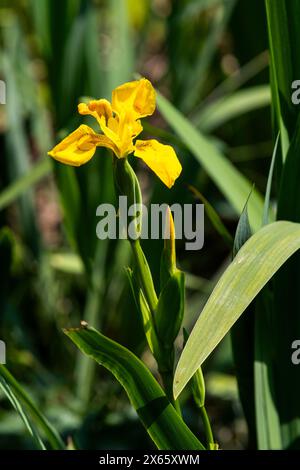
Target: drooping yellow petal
{"points": [[137, 98], [160, 158], [79, 146]]}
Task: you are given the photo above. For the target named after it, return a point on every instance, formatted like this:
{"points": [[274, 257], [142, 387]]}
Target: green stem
{"points": [[144, 274], [167, 378], [207, 427], [127, 184], [147, 285]]}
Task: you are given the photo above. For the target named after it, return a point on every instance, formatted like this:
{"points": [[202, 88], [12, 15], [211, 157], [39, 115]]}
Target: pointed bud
{"points": [[170, 309], [168, 257]]}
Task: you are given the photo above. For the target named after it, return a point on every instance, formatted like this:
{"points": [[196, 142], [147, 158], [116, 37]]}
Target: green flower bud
{"points": [[170, 309], [168, 257]]}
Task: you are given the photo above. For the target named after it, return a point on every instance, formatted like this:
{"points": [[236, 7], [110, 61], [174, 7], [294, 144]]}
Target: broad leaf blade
{"points": [[159, 417], [257, 261]]}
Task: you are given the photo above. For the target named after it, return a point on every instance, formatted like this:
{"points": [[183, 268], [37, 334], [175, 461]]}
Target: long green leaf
{"points": [[242, 339], [214, 217], [229, 180], [266, 412], [257, 261], [266, 213], [266, 406], [22, 184], [285, 328], [18, 151], [284, 38], [233, 106], [53, 437], [20, 410], [196, 79], [159, 417], [283, 28], [121, 58]]}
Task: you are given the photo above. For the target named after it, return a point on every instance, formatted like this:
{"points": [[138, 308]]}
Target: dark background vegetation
{"points": [[53, 270]]}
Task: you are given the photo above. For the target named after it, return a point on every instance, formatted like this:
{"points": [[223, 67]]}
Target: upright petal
{"points": [[97, 109], [79, 146], [137, 98], [160, 158], [121, 130]]}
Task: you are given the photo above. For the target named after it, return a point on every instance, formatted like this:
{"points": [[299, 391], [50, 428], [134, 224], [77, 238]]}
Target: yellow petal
{"points": [[79, 146], [97, 109], [137, 98], [160, 158], [121, 130]]}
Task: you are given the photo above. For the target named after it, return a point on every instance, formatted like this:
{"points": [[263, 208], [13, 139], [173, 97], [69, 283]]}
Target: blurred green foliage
{"points": [[54, 271]]}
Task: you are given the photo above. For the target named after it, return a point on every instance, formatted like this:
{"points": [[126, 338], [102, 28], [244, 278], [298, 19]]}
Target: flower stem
{"points": [[147, 285], [207, 428], [167, 379], [127, 184]]}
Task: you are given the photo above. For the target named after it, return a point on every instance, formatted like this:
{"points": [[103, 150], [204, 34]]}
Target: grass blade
{"points": [[267, 416], [19, 409], [281, 32], [200, 70], [122, 58], [213, 217], [22, 184], [232, 106], [266, 213], [53, 437]]}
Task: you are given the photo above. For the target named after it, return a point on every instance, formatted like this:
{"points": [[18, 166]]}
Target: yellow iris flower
{"points": [[120, 124]]}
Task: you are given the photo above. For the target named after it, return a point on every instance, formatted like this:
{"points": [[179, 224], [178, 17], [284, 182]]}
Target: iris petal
{"points": [[97, 109], [137, 98], [79, 146], [160, 158]]}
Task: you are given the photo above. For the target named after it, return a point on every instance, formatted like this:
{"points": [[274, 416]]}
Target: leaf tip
{"points": [[83, 326]]}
